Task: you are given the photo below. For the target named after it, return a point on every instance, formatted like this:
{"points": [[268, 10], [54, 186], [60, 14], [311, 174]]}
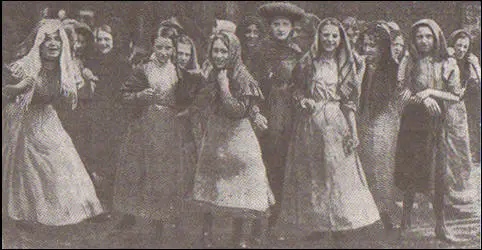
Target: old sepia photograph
{"points": [[241, 124]]}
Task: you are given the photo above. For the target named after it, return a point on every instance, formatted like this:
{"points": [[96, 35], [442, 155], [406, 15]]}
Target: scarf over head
{"points": [[193, 64], [439, 46], [344, 56], [242, 82], [29, 66]]}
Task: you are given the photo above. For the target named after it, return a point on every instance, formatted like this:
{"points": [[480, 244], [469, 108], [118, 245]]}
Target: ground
{"points": [[463, 222]]}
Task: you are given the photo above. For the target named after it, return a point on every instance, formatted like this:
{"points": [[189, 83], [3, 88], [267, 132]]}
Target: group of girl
{"points": [[306, 126]]}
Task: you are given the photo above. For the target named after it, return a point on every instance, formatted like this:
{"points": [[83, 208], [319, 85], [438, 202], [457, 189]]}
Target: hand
{"points": [[88, 75], [183, 113], [422, 95], [432, 106], [146, 95], [261, 122], [472, 59], [223, 79], [350, 144], [97, 179], [308, 104]]}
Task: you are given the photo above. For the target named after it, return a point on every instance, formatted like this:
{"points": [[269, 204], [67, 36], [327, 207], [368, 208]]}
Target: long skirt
{"points": [[420, 159], [44, 179], [459, 161], [157, 162], [231, 176], [325, 187], [378, 141]]}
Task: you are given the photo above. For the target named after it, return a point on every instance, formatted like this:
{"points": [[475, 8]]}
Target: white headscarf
{"points": [[29, 66]]}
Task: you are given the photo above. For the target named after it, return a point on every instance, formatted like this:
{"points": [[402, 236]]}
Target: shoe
{"points": [[127, 222], [101, 218], [442, 234], [207, 240], [314, 236], [387, 221]]}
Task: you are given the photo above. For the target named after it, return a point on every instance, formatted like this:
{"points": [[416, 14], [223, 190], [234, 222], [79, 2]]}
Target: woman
{"points": [[323, 172], [430, 84], [108, 119], [250, 32], [230, 177], [379, 118], [304, 31], [151, 181], [44, 179], [398, 46], [78, 122], [278, 55], [458, 143]]}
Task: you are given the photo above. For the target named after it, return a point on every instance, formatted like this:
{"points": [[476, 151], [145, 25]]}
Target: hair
{"points": [[105, 28], [183, 39], [351, 22], [381, 34], [462, 35], [334, 22]]}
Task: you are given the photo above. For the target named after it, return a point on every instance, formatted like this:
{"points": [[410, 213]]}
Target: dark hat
{"points": [[174, 23], [271, 10]]}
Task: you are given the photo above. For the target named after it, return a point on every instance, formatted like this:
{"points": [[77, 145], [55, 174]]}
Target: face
{"points": [[50, 49], [330, 37], [163, 48], [397, 47], [183, 54], [424, 39], [461, 47], [281, 28], [352, 36], [104, 41], [371, 49], [252, 35], [80, 44], [220, 54]]}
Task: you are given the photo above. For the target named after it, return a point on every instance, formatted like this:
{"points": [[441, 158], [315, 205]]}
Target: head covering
{"points": [[439, 46], [308, 25], [393, 26], [350, 22], [246, 22], [243, 82], [379, 84], [281, 9], [456, 35], [193, 64], [225, 25], [172, 22], [344, 56], [30, 65]]}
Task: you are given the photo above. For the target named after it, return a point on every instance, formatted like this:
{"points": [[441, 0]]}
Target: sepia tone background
{"points": [[136, 21]]}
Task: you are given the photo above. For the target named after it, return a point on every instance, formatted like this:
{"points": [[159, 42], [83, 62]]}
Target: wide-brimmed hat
{"points": [[283, 9]]}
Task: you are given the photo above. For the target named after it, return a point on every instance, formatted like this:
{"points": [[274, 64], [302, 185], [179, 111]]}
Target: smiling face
{"points": [[424, 39], [104, 42], [252, 35], [183, 54], [281, 27], [163, 48], [461, 47], [50, 49], [371, 48], [330, 37], [220, 54], [397, 47]]}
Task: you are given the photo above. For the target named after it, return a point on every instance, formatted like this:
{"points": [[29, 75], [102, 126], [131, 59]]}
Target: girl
{"points": [[323, 173], [231, 177]]}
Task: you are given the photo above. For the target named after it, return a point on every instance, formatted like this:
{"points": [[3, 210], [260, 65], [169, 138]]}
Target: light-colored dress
{"points": [[231, 176], [325, 188], [44, 179], [150, 182]]}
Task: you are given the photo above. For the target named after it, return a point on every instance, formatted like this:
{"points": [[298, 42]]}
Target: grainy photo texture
{"points": [[241, 124]]}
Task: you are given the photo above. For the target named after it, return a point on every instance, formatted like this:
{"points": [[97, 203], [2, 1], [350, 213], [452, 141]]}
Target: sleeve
{"points": [[475, 68], [244, 100], [136, 83], [404, 77], [236, 108], [351, 103], [451, 75]]}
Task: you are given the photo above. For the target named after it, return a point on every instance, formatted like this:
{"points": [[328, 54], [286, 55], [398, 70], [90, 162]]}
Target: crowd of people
{"points": [[318, 124]]}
